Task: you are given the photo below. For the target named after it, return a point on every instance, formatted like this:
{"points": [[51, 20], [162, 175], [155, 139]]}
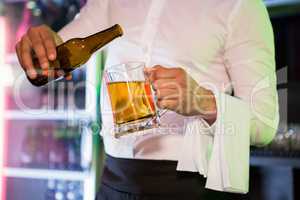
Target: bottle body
{"points": [[74, 53]]}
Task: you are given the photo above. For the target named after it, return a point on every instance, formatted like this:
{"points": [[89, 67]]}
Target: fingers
{"points": [[159, 72], [29, 69], [165, 83], [38, 47], [24, 49], [49, 44], [167, 94], [40, 41], [171, 104]]}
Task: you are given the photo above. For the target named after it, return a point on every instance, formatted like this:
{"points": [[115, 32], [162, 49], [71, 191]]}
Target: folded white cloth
{"points": [[220, 152]]}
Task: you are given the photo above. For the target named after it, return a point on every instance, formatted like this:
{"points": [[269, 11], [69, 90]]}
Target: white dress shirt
{"points": [[225, 46]]}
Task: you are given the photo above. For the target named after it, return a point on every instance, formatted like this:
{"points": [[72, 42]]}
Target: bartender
{"points": [[220, 56]]}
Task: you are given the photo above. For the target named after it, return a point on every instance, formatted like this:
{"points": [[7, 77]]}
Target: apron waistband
{"points": [[150, 177]]}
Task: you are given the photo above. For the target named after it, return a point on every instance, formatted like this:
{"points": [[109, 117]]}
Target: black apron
{"points": [[132, 179]]}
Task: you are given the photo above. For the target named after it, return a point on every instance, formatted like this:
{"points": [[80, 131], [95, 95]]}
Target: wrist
{"points": [[206, 105]]}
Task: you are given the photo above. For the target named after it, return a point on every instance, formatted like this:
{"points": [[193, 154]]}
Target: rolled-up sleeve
{"points": [[92, 18]]}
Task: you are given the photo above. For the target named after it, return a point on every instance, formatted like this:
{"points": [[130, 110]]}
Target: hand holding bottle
{"points": [[38, 47], [44, 57]]}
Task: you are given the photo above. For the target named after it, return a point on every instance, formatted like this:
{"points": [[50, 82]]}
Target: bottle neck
{"points": [[98, 40]]}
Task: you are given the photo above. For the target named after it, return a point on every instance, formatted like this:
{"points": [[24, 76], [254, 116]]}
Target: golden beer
{"points": [[131, 101]]}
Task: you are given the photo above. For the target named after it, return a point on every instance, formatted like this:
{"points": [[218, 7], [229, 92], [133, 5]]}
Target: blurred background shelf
{"points": [[264, 161], [46, 174]]}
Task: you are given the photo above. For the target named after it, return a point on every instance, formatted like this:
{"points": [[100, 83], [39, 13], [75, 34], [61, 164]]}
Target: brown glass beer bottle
{"points": [[75, 52]]}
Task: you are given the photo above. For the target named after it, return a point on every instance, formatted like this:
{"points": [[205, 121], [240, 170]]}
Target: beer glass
{"points": [[132, 100]]}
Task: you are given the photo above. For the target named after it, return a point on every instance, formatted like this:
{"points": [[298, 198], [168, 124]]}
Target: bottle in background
{"points": [[46, 138], [56, 156], [51, 91], [60, 190], [75, 190], [29, 148], [52, 149], [71, 192], [41, 155], [44, 102], [77, 141], [61, 95], [70, 94], [86, 147], [71, 148], [77, 90], [50, 192], [64, 190]]}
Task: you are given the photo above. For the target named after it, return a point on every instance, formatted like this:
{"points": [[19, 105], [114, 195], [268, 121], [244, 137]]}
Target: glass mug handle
{"points": [[159, 112]]}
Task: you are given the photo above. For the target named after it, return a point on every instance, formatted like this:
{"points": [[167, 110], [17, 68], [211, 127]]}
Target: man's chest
{"points": [[184, 30]]}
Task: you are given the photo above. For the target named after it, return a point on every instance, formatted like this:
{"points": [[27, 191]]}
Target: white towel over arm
{"points": [[221, 152]]}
